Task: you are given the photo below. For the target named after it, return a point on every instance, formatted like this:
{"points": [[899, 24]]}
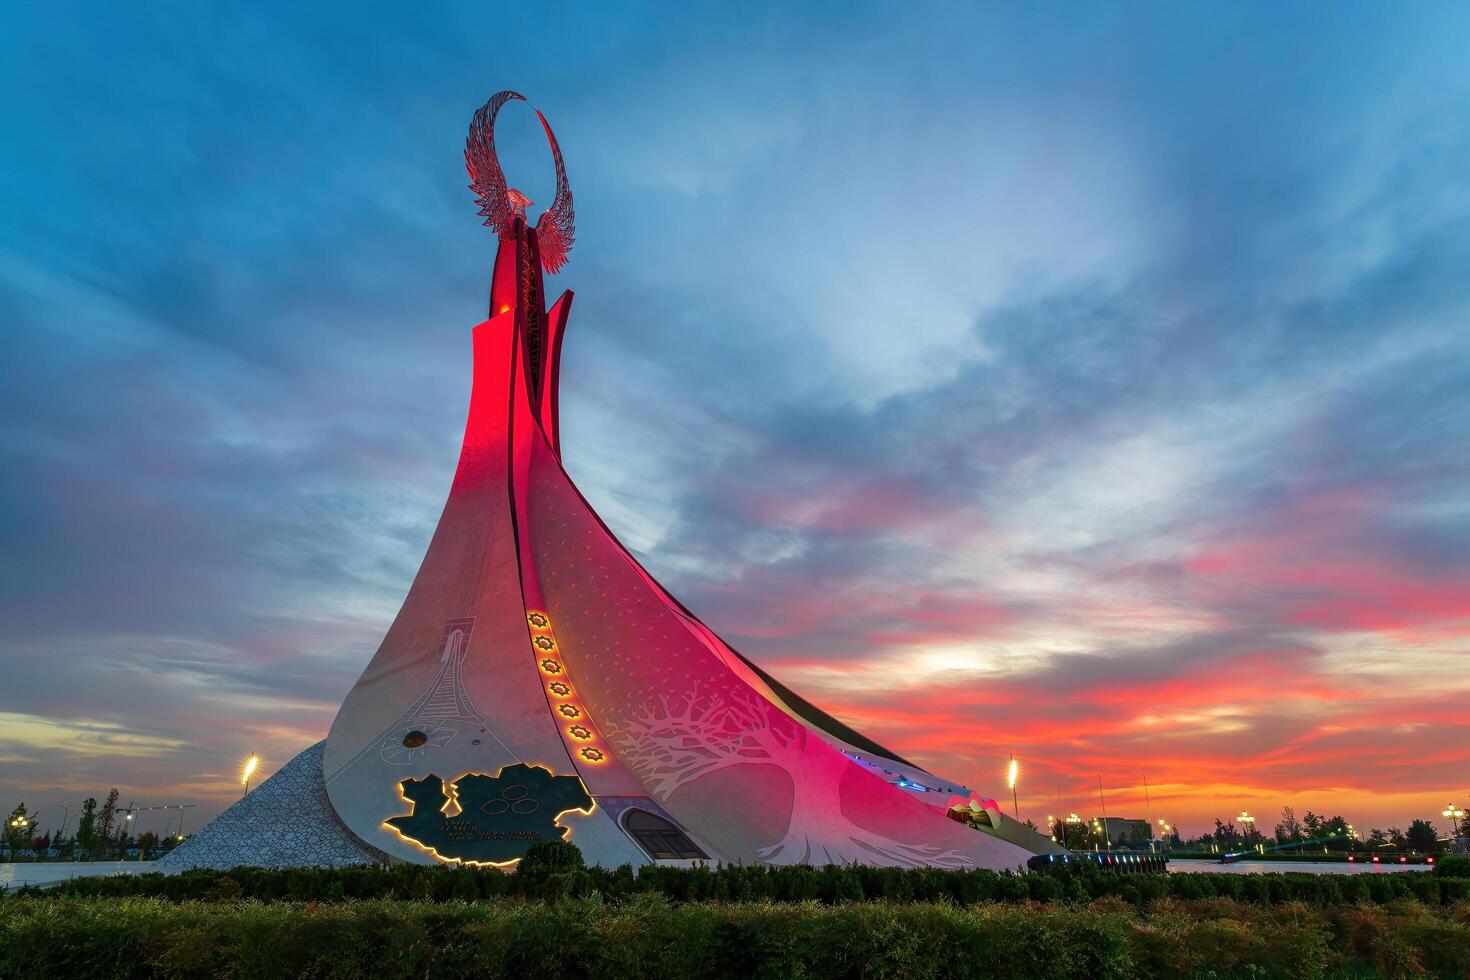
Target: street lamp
{"points": [[1011, 775], [250, 767], [1454, 815]]}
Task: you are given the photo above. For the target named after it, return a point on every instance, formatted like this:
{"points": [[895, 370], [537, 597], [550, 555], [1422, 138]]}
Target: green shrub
{"points": [[1453, 866], [549, 857], [649, 936], [555, 871]]}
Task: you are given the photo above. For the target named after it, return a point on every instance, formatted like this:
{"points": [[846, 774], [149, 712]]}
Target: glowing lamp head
{"points": [[1012, 773], [250, 766]]}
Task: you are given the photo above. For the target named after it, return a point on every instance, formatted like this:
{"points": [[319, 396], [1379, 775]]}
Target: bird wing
{"points": [[556, 228], [486, 178]]}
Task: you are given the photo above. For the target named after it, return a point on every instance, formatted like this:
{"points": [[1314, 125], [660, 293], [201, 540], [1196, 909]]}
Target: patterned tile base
{"points": [[285, 822]]}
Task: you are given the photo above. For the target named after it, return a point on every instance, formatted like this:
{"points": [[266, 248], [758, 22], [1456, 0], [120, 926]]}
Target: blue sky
{"points": [[1087, 384]]}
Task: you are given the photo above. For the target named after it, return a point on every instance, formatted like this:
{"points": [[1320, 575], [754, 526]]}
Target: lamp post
{"points": [[1164, 829], [250, 767], [65, 818], [127, 831], [182, 808], [16, 825], [1011, 775], [1248, 821], [1454, 815]]}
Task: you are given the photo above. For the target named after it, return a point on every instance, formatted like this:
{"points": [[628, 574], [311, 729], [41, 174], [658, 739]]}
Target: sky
{"points": [[1089, 385]]}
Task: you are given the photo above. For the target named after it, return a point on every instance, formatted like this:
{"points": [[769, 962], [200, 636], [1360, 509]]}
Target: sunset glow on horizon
{"points": [[1098, 399]]}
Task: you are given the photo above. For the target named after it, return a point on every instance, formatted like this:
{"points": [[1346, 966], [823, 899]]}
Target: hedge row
{"points": [[829, 885], [650, 937]]}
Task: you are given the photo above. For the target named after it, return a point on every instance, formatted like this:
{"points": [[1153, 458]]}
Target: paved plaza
{"points": [[15, 875], [1187, 865], [50, 872]]}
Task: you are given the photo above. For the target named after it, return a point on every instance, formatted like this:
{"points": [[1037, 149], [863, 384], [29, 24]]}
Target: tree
{"points": [[1377, 838], [105, 821], [676, 743], [1076, 836], [1227, 835], [1396, 838], [1290, 828], [146, 842], [87, 825], [1311, 825], [1422, 837], [1335, 830]]}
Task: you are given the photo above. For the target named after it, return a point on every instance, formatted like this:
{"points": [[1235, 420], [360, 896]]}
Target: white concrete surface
{"points": [[1187, 865], [50, 872], [15, 875]]}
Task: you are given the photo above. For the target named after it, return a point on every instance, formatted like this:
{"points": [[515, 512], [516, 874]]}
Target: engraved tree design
{"points": [[678, 742]]}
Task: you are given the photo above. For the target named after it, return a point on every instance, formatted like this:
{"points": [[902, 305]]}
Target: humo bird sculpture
{"points": [[503, 207]]}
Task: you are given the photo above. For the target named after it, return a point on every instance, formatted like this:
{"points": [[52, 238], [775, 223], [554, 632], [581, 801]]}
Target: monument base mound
{"points": [[285, 822]]}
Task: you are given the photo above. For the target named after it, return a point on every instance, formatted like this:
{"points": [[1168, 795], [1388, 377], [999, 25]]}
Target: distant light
{"points": [[1015, 771], [250, 766]]}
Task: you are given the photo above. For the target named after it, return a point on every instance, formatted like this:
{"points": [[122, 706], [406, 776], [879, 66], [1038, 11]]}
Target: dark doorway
{"points": [[661, 839]]}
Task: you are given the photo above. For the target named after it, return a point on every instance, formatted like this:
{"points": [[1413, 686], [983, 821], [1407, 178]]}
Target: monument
{"points": [[539, 684]]}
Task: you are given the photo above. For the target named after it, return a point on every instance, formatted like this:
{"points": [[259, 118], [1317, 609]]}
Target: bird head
{"points": [[518, 202]]}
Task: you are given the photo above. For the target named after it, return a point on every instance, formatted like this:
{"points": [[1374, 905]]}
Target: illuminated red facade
{"points": [[533, 642]]}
